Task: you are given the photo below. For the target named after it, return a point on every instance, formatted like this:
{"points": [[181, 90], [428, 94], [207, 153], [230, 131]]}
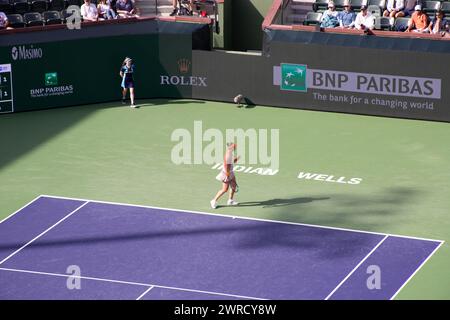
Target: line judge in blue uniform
{"points": [[126, 73]]}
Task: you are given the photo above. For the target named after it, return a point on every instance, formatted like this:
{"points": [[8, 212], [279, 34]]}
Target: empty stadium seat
{"points": [[445, 6], [380, 3], [356, 4], [33, 19], [382, 23], [430, 7], [74, 3], [312, 18], [39, 6], [6, 7], [401, 24], [21, 6], [16, 20], [339, 4], [51, 17], [320, 5], [56, 5], [374, 10]]}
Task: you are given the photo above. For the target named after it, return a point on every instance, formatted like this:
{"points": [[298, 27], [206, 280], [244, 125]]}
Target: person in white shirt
{"points": [[89, 11], [394, 9], [364, 20]]}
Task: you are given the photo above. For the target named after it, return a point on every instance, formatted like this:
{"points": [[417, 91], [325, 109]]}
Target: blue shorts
{"points": [[127, 83], [408, 13]]}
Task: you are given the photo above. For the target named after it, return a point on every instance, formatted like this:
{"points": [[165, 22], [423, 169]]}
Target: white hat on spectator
{"points": [[418, 7], [331, 4]]}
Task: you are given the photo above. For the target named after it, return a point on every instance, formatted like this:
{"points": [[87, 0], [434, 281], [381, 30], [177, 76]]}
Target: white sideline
{"points": [[243, 218], [44, 232], [355, 268], [131, 283]]}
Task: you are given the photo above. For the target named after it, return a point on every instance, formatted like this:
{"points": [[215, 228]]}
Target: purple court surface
{"points": [[122, 251]]}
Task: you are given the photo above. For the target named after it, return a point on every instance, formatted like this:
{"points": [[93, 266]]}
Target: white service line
{"points": [[44, 232], [17, 211], [417, 270], [144, 293], [129, 282], [355, 268], [243, 218]]}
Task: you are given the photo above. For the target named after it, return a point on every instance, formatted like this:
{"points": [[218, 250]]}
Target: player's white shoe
{"points": [[213, 204], [133, 105], [231, 202]]}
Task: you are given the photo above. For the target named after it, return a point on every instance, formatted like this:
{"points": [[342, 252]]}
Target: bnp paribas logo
{"points": [[51, 79], [293, 77]]}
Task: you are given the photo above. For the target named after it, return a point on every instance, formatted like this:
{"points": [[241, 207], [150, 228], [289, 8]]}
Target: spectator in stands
{"points": [[347, 17], [365, 20], [439, 25], [105, 11], [89, 11], [3, 21], [394, 9], [175, 7], [126, 9], [418, 21], [330, 17], [408, 10]]}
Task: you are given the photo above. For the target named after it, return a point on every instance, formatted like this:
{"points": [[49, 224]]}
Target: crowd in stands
{"points": [[90, 10], [418, 20]]}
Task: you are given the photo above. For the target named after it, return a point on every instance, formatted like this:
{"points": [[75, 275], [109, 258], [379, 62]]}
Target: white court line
{"points": [[144, 293], [17, 211], [417, 270], [355, 268], [131, 283], [44, 232], [244, 218]]}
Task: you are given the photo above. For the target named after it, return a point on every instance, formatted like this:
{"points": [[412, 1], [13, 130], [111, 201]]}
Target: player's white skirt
{"points": [[222, 176]]}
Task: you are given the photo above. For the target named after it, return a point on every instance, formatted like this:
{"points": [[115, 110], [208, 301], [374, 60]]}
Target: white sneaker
{"points": [[213, 204], [231, 202], [133, 105]]}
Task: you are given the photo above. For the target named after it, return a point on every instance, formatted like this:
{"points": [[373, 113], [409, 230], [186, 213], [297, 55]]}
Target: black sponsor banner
{"points": [[367, 81]]}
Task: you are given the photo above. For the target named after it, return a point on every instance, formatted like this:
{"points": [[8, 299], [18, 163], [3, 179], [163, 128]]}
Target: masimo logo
{"points": [[183, 66], [297, 77], [26, 53]]}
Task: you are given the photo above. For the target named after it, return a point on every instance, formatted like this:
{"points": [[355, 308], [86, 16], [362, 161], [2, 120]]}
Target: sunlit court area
{"points": [[228, 150]]}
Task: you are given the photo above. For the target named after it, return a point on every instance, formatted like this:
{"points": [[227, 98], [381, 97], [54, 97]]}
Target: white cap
{"points": [[331, 4], [418, 7]]}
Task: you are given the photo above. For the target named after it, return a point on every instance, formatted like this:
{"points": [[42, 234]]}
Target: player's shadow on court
{"points": [[273, 203]]}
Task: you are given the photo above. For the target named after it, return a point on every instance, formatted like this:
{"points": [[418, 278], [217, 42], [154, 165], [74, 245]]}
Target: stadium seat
{"points": [[51, 17], [6, 7], [33, 19], [339, 4], [66, 13], [356, 4], [430, 7], [374, 10], [380, 3], [320, 5], [382, 23], [445, 6], [56, 5], [39, 6], [312, 18], [401, 24], [73, 3], [16, 21], [21, 6]]}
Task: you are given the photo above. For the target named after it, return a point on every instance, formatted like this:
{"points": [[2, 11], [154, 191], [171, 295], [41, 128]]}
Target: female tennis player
{"points": [[126, 73], [227, 177]]}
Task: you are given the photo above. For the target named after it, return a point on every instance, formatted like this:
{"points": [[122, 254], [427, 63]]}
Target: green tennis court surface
{"points": [[110, 152]]}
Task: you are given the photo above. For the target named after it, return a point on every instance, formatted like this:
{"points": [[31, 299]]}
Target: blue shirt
{"points": [[346, 19], [128, 72]]}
